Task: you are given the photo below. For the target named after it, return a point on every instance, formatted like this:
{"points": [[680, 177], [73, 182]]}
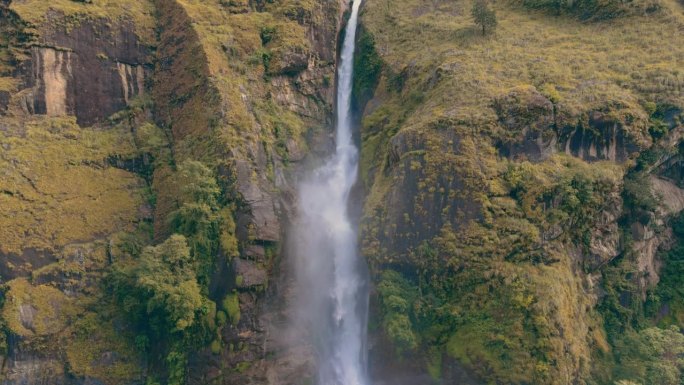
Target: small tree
{"points": [[483, 15]]}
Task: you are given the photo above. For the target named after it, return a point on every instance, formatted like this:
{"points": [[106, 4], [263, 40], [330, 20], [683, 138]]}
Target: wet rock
{"points": [[255, 252], [54, 91], [249, 274]]}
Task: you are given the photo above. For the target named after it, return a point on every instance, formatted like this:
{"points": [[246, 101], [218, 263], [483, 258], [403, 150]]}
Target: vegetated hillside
{"points": [[524, 188], [524, 191], [146, 153]]}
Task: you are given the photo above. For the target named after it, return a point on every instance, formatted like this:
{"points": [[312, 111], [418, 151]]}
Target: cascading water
{"points": [[332, 279]]}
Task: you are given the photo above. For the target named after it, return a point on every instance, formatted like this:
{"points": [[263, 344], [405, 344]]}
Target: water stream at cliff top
{"points": [[331, 274]]}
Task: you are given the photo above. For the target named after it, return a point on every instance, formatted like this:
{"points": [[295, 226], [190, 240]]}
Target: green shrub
{"points": [[221, 318], [367, 67], [397, 295], [267, 34], [231, 304], [215, 346], [483, 15], [166, 274]]}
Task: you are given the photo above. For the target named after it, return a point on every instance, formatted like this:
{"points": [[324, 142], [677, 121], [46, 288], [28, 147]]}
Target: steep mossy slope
{"points": [[524, 188], [147, 151], [243, 88], [518, 187], [68, 189]]}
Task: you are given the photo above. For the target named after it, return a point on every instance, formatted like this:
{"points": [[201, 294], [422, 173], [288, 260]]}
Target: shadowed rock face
{"points": [[419, 212], [537, 129], [91, 71], [602, 140]]}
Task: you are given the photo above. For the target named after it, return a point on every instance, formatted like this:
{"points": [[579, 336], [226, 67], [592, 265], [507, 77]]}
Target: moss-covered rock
{"points": [[58, 189], [495, 169]]}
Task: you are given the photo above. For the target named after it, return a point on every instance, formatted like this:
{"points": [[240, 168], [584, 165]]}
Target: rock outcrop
{"points": [[97, 79], [519, 189], [518, 200]]}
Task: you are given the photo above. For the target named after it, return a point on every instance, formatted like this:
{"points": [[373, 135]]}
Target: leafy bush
{"points": [[651, 356], [484, 16], [163, 289], [200, 217], [367, 67], [166, 275], [397, 296]]}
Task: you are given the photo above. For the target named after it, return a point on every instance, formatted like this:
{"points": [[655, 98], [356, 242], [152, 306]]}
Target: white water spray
{"points": [[331, 275]]}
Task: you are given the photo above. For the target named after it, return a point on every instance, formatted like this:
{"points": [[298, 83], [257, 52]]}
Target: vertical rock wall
{"points": [[54, 90]]}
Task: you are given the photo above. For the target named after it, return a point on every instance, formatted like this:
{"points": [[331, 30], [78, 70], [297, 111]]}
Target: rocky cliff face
{"points": [[62, 198], [245, 88], [260, 95], [518, 204], [523, 190]]}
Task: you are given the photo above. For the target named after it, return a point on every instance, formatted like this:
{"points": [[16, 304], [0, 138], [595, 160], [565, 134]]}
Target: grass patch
{"points": [[139, 13], [57, 187]]}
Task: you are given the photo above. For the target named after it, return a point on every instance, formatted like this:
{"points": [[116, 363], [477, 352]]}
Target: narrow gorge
{"points": [[322, 192], [331, 273]]}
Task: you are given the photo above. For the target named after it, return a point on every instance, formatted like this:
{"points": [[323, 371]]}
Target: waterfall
{"points": [[332, 278]]}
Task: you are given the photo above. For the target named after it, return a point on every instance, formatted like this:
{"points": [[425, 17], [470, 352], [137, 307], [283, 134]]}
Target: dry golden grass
{"points": [[584, 65], [8, 84]]}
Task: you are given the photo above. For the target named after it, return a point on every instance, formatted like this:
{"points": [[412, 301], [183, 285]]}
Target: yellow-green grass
{"points": [[139, 13], [584, 65], [234, 54], [8, 84], [56, 187], [97, 348], [36, 310]]}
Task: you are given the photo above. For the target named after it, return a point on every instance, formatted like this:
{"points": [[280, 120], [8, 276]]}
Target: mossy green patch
{"points": [[97, 348], [40, 310], [138, 13], [215, 347], [231, 305], [57, 187]]}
